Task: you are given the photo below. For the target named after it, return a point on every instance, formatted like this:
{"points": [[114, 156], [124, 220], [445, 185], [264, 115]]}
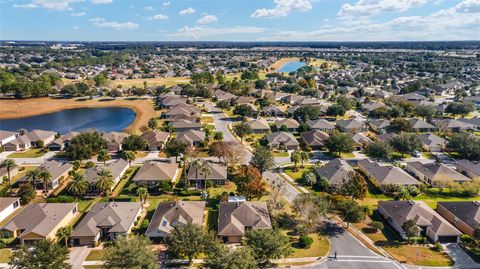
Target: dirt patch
{"points": [[143, 108]]}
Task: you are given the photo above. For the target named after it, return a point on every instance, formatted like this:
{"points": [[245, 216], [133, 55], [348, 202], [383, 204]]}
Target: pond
{"points": [[291, 66], [107, 119]]}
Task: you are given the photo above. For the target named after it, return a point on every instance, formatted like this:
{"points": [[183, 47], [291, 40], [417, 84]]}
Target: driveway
{"points": [[461, 258], [78, 256]]}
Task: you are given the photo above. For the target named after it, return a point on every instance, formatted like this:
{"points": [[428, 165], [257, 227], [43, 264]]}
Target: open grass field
{"points": [[319, 247], [36, 106], [29, 153]]}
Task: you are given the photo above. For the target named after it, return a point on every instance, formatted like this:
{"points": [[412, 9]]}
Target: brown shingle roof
{"points": [[233, 217]]}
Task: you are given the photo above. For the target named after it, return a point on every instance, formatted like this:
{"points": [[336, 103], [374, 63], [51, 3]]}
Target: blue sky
{"points": [[240, 20]]}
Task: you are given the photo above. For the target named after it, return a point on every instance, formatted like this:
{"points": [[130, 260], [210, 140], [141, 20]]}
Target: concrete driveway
{"points": [[461, 258], [78, 256]]}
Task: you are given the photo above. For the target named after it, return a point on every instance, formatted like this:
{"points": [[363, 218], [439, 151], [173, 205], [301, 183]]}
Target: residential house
{"points": [[186, 125], [214, 172], [352, 126], [8, 205], [475, 122], [434, 173], [453, 125], [385, 176], [193, 137], [92, 175], [235, 218], [114, 140], [259, 126], [412, 97], [171, 215], [291, 124], [224, 96], [273, 111], [432, 142], [188, 111], [361, 141], [152, 172], [244, 100], [465, 216], [421, 126], [431, 224], [379, 125], [39, 221], [307, 101], [30, 139], [282, 141], [320, 125], [105, 222], [58, 171], [314, 139], [62, 142], [7, 136], [337, 172], [155, 139], [469, 168]]}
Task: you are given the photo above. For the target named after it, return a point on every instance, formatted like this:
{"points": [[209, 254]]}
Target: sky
{"points": [[240, 20]]}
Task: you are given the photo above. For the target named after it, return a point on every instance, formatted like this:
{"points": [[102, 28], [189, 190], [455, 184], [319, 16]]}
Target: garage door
{"points": [[447, 239]]}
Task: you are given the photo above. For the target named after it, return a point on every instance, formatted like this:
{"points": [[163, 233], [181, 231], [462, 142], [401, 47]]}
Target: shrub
{"points": [[62, 199], [437, 247], [249, 139], [305, 241], [376, 225], [89, 164]]}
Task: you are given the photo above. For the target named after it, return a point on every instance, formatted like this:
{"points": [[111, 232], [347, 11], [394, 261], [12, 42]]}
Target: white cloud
{"points": [[283, 8], [102, 1], [159, 17], [447, 24], [101, 22], [207, 19], [200, 32], [49, 4], [76, 27], [468, 6], [372, 7], [187, 11], [79, 14], [166, 4], [25, 6], [149, 8]]}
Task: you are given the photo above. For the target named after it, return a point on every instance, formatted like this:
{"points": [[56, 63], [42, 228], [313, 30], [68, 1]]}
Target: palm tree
{"points": [[197, 164], [152, 123], [79, 184], [9, 164], [77, 164], [45, 177], [64, 234], [33, 174], [103, 156], [142, 194], [303, 157], [295, 158], [105, 181], [185, 159], [129, 156], [205, 169]]}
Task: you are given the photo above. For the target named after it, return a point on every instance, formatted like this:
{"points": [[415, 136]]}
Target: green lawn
{"points": [[319, 247], [95, 255], [30, 153], [280, 154], [5, 255], [296, 175], [207, 119]]}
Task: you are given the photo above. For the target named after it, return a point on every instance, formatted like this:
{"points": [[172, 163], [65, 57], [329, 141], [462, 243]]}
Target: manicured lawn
{"points": [[319, 247], [428, 155], [229, 187], [141, 154], [296, 175], [31, 153], [95, 255], [419, 255], [207, 119], [5, 255], [280, 154]]}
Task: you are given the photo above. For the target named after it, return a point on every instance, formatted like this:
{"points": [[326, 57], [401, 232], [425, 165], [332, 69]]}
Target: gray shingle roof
{"points": [[39, 218], [116, 168], [233, 217], [386, 175], [337, 171], [438, 171], [320, 124], [217, 171], [156, 171], [468, 212], [282, 137], [314, 138], [169, 215], [118, 217]]}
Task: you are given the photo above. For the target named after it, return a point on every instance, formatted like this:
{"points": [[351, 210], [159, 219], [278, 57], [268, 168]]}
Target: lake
{"points": [[107, 119], [291, 66]]}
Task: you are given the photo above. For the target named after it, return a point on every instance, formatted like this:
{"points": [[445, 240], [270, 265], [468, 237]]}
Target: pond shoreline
{"points": [[20, 108]]}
